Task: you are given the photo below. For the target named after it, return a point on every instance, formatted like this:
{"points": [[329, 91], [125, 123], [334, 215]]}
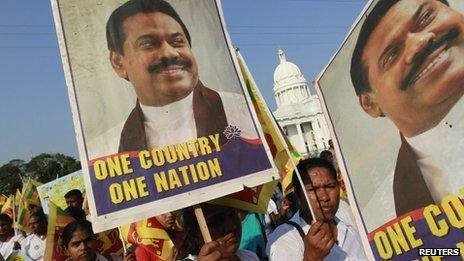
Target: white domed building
{"points": [[298, 112]]}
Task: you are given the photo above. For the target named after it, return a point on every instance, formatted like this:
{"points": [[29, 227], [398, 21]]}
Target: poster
{"points": [[392, 94], [162, 117], [55, 190]]}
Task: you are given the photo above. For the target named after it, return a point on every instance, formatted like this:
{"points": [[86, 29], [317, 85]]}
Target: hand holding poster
{"points": [[398, 118], [161, 114]]}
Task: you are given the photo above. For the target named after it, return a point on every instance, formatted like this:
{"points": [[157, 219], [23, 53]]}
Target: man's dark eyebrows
{"points": [[177, 34], [146, 37]]}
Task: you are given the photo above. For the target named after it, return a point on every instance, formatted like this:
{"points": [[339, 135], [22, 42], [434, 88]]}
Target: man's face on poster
{"points": [[415, 63], [157, 59]]}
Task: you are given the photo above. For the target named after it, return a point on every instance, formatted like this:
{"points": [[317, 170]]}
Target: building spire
{"points": [[282, 56]]}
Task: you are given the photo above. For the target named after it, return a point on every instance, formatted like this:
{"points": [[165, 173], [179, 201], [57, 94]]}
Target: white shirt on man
{"points": [[34, 247], [6, 248], [285, 243]]}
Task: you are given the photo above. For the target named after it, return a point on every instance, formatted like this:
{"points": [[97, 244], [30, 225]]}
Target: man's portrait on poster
{"points": [[150, 47], [408, 66]]}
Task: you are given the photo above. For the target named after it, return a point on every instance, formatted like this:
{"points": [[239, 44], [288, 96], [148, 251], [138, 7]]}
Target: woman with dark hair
{"points": [[79, 241], [225, 228]]}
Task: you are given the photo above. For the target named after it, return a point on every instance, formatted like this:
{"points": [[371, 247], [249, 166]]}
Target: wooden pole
{"points": [[124, 247], [202, 223]]}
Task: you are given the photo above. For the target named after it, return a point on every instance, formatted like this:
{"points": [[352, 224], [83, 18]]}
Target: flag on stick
{"points": [[57, 220], [7, 208], [285, 156], [149, 235]]}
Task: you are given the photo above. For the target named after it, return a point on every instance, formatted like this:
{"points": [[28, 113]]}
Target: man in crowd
{"points": [[8, 240], [330, 235], [34, 207], [408, 65], [151, 47], [74, 198], [34, 244]]}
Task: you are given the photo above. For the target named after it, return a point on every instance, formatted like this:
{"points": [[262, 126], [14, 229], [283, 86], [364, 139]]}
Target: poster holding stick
{"points": [[202, 223], [163, 120]]}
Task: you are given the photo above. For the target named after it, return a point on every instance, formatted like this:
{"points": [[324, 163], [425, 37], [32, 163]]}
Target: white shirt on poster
{"points": [[439, 153], [174, 123]]}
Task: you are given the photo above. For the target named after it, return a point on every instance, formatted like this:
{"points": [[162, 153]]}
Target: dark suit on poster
{"points": [[409, 187]]}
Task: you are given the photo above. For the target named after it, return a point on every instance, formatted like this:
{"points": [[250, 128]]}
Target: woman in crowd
{"points": [[79, 242]]}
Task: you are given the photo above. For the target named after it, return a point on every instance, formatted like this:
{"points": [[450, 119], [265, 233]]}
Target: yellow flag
{"points": [[285, 155], [8, 206]]}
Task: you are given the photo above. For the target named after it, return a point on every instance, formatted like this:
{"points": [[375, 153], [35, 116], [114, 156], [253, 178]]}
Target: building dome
{"points": [[290, 85], [286, 70], [298, 112]]}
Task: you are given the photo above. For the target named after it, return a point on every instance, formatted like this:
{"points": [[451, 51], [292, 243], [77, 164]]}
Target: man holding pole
{"points": [[330, 236], [8, 240]]}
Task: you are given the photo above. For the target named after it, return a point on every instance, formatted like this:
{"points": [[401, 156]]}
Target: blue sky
{"points": [[34, 107]]}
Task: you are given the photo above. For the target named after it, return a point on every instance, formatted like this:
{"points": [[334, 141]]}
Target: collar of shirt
{"points": [[439, 153], [169, 112]]}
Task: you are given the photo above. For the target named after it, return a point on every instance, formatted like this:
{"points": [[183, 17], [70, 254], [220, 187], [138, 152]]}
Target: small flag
{"points": [[150, 235]]}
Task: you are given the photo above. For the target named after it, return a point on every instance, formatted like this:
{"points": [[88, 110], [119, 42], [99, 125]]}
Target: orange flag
{"points": [[150, 235]]}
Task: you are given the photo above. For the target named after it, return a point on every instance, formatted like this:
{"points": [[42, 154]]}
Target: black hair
{"points": [[115, 35], [307, 164], [72, 227], [192, 239], [5, 218], [325, 154], [40, 216], [359, 72], [192, 242], [73, 193]]}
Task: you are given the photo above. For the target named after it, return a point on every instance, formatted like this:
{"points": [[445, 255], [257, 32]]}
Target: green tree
{"points": [[47, 167], [10, 176]]}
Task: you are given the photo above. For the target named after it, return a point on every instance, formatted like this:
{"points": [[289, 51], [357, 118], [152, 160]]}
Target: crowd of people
{"points": [[288, 231]]}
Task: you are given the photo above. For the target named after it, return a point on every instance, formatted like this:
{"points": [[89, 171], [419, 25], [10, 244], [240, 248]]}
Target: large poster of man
{"points": [[393, 95], [160, 111]]}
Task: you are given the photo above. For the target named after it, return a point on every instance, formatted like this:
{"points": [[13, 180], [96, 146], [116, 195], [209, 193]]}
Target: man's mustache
{"points": [[420, 57], [169, 62]]}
